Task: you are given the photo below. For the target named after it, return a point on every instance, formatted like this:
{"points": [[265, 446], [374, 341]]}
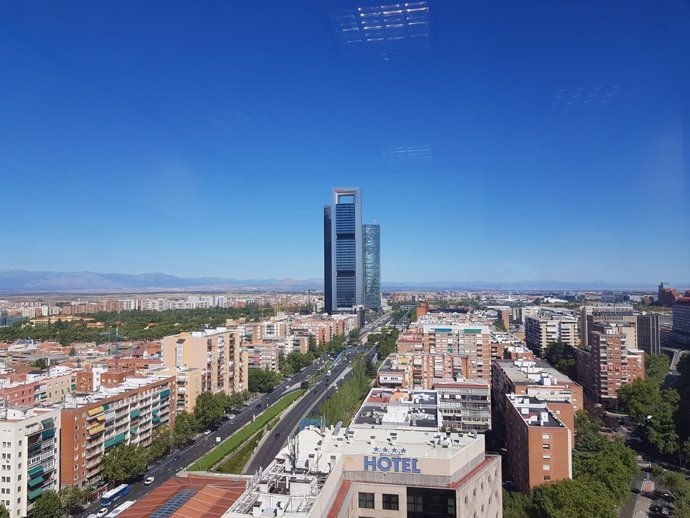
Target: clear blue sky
{"points": [[492, 141]]}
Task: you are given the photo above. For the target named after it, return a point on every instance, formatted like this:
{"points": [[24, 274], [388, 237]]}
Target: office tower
{"points": [[327, 260], [681, 321], [345, 284], [648, 334], [372, 266]]}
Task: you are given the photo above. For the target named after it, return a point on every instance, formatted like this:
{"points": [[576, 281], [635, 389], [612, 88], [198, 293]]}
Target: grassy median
{"points": [[239, 438]]}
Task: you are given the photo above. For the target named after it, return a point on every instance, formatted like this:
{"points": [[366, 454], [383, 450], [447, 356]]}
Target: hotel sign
{"points": [[390, 464]]}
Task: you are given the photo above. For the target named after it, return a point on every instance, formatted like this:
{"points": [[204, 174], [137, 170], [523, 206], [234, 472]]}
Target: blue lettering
{"points": [[384, 464], [415, 469], [369, 462], [396, 464], [406, 465]]}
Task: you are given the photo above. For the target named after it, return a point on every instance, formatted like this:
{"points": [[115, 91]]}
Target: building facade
{"points": [[648, 333], [372, 266], [608, 363], [538, 442], [543, 330], [123, 413], [30, 465], [345, 253]]}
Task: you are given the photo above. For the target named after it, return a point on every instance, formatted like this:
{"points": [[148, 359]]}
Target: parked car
{"points": [[278, 435], [148, 481], [102, 512]]}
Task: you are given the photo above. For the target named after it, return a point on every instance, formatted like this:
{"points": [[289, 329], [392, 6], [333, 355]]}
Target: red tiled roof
{"points": [[215, 495], [339, 499]]}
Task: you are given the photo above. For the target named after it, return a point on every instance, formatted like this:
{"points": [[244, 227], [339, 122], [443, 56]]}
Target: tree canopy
{"points": [[48, 505], [562, 357], [209, 410], [186, 427], [262, 380], [124, 463]]}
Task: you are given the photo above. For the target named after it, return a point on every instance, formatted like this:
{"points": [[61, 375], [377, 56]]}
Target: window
{"points": [[414, 504], [547, 467], [366, 500], [546, 446], [545, 436], [390, 502], [547, 477]]}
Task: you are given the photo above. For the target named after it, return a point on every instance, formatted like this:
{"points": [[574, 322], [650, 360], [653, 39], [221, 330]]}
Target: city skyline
{"points": [[204, 149]]}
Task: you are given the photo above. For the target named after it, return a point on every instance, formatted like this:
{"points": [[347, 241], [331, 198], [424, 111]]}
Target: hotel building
{"points": [[393, 460]]}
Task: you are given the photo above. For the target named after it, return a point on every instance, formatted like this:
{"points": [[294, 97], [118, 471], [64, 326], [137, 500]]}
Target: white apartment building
{"points": [[29, 456]]}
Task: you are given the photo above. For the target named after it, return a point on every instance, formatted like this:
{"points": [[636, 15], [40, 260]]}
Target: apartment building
{"points": [[216, 352], [324, 327], [30, 459], [464, 405], [122, 413], [421, 370], [263, 356], [532, 378], [471, 339], [608, 363], [548, 328], [538, 442], [620, 314], [32, 388]]}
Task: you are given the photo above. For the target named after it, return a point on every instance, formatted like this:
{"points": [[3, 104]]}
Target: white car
{"points": [[92, 515], [148, 481], [102, 512]]}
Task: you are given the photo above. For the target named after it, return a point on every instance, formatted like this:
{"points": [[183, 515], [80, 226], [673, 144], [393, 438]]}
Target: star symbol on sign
{"points": [[393, 450], [385, 450], [376, 449], [402, 450]]}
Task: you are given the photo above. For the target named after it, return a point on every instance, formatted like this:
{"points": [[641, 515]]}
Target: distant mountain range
{"points": [[27, 282], [23, 281]]}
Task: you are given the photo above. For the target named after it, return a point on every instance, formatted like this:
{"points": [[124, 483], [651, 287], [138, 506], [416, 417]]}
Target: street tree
{"points": [[209, 410], [72, 499], [123, 463], [185, 429], [48, 505]]}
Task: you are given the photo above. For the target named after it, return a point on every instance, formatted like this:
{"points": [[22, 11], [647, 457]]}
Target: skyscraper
{"points": [[372, 266], [343, 251]]}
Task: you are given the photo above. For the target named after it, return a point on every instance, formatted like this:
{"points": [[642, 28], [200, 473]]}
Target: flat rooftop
{"points": [[532, 372], [534, 412], [397, 408]]}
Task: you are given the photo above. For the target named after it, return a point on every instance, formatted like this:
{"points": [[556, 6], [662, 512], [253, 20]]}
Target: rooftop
{"points": [[532, 372], [389, 408], [535, 412]]}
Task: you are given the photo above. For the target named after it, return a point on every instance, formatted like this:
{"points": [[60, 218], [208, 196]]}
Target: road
{"points": [[178, 460], [323, 390]]}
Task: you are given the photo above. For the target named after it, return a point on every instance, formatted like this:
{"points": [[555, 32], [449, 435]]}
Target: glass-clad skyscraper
{"points": [[343, 252], [372, 266]]}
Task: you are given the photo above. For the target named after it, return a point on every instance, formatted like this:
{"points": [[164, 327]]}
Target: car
{"points": [[231, 416], [207, 432], [665, 511], [277, 435], [102, 512], [92, 515], [258, 405], [148, 481], [176, 457]]}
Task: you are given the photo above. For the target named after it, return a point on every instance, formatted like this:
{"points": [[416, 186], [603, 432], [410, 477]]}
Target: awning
{"points": [[100, 418], [36, 481], [48, 423], [35, 493], [36, 469], [165, 393], [96, 429], [134, 413], [133, 429], [47, 434], [94, 411], [115, 440]]}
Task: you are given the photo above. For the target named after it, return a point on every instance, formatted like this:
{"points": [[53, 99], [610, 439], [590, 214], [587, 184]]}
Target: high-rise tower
{"points": [[343, 251], [372, 266]]}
